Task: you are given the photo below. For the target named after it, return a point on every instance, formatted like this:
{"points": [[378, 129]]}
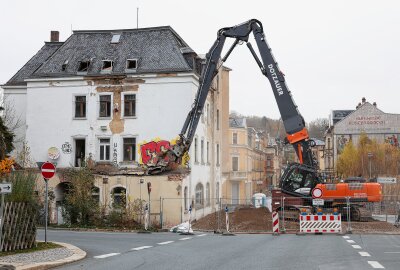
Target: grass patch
{"points": [[39, 246]]}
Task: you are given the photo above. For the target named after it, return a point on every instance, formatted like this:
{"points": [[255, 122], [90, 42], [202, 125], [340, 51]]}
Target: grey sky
{"points": [[333, 53]]}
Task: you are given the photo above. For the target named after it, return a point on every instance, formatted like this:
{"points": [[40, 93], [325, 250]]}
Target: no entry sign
{"points": [[316, 193], [48, 170]]}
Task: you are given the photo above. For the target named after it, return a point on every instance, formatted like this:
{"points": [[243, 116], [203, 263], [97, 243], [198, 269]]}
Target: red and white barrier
{"points": [[275, 222], [320, 224]]}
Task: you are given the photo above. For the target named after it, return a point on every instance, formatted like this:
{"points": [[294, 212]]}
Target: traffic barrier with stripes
{"points": [[275, 222], [320, 224]]}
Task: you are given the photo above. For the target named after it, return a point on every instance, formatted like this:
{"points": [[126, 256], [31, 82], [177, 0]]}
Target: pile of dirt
{"points": [[371, 227], [243, 219]]}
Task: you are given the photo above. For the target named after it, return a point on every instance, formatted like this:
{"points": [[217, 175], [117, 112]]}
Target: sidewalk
{"points": [[44, 259]]}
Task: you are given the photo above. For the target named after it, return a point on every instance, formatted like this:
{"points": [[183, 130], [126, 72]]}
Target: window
{"points": [[329, 143], [217, 191], [217, 154], [235, 164], [104, 149], [64, 65], [269, 162], [96, 194], [199, 199], [129, 149], [129, 105], [195, 150], [185, 198], [80, 106], [119, 197], [234, 138], [202, 116], [208, 114], [131, 64], [107, 66], [202, 151], [105, 106], [208, 152], [208, 194], [83, 66], [217, 119], [115, 38]]}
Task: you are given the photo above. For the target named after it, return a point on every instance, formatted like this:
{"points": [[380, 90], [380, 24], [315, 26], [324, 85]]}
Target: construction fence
{"points": [[255, 215]]}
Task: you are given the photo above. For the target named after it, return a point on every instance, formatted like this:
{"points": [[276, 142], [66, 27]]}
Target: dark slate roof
{"points": [[158, 50], [34, 63]]}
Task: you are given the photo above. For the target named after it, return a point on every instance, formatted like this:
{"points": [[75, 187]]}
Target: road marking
{"points": [[346, 237], [106, 255], [140, 248], [356, 246], [186, 238], [351, 241], [364, 254], [376, 264], [165, 243], [200, 235], [396, 252]]}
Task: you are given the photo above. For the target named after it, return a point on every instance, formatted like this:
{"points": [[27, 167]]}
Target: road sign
{"points": [[5, 188], [387, 180], [318, 202], [316, 193], [48, 170]]}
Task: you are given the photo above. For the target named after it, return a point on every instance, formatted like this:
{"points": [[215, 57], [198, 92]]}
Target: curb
{"points": [[79, 254]]}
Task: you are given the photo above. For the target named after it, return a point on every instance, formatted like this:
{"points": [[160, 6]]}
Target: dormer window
{"points": [[64, 66], [107, 66], [115, 38], [83, 66], [131, 64]]}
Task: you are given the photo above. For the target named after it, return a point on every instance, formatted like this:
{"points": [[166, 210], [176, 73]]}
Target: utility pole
{"points": [[370, 155]]}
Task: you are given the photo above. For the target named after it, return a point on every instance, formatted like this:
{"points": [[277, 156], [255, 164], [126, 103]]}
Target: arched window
{"points": [[199, 196], [208, 194], [185, 198], [119, 197], [96, 194]]}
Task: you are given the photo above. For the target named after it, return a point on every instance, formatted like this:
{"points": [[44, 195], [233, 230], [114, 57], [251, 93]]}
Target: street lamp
{"points": [[370, 155]]}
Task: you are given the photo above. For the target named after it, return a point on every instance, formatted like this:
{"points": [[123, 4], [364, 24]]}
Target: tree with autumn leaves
{"points": [[355, 159], [6, 139]]}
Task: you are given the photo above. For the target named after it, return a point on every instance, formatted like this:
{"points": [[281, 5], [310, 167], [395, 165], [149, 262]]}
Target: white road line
{"points": [[376, 264], [356, 246], [346, 237], [106, 255], [200, 235], [364, 254], [140, 248], [351, 241], [186, 238], [165, 243]]}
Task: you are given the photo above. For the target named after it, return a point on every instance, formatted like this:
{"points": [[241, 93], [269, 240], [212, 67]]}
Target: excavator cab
{"points": [[299, 179]]}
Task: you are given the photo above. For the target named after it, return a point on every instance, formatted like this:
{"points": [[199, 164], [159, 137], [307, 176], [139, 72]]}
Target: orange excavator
{"points": [[299, 179]]}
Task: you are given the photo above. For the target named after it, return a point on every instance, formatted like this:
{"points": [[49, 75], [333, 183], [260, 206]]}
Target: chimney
{"points": [[374, 104], [54, 36], [358, 106], [363, 100]]}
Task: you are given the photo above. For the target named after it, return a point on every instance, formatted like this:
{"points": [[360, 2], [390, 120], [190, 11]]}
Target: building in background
{"points": [[114, 99]]}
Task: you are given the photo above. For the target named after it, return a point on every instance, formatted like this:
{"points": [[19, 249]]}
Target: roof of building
{"points": [[156, 49], [237, 122]]}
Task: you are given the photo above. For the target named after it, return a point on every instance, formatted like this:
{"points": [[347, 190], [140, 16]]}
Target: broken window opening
{"points": [[131, 64], [83, 66], [107, 65], [64, 66]]}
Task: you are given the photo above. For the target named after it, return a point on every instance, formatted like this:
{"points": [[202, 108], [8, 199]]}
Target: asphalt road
{"points": [[208, 251]]}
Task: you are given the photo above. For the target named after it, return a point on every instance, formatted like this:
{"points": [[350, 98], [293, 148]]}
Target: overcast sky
{"points": [[333, 53]]}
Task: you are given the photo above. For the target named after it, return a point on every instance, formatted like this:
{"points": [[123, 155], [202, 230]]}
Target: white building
{"points": [[116, 98]]}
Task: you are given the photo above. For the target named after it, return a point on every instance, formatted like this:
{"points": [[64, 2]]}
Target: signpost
{"points": [[318, 201], [316, 193], [48, 171], [5, 188]]}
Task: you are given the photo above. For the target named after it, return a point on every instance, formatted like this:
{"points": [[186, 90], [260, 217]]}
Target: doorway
{"points": [[79, 152]]}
